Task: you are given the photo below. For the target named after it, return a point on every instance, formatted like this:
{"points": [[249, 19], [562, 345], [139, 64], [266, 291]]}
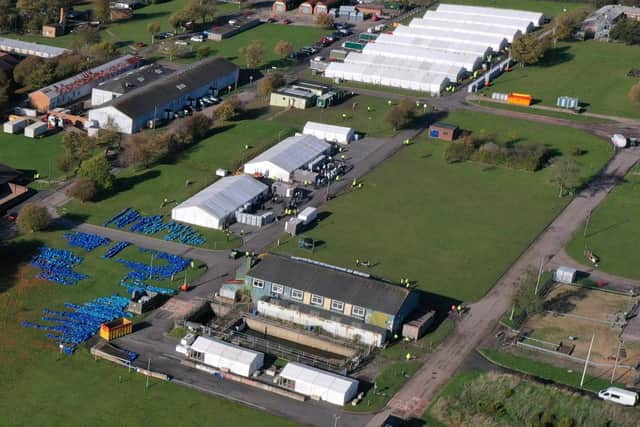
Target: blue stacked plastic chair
{"points": [[86, 241], [115, 250], [56, 265]]}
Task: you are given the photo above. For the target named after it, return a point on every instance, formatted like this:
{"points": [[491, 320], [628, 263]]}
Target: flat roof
{"points": [[444, 125], [331, 281], [135, 79], [295, 92], [42, 50]]}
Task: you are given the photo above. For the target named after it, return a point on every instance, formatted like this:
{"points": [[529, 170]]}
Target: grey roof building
{"points": [[30, 49], [125, 83], [159, 99]]}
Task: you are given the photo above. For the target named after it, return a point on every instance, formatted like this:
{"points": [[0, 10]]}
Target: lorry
{"points": [[619, 396]]}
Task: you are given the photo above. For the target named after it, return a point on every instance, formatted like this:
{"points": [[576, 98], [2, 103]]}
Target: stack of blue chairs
{"points": [[134, 285], [142, 271], [123, 218], [71, 328], [149, 225], [115, 250], [184, 234], [56, 265], [86, 241]]}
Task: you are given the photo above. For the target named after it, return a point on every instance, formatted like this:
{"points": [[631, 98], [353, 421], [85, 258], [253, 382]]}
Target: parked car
{"points": [[198, 38], [286, 21], [138, 45], [619, 396], [214, 99], [182, 43]]}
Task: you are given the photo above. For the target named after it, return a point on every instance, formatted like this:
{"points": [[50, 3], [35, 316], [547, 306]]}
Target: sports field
{"points": [[146, 189], [40, 386], [570, 69], [38, 154], [613, 231], [451, 228]]}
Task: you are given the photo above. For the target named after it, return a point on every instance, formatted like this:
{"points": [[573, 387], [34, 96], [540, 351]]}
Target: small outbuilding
{"points": [[291, 97], [318, 384], [225, 356], [331, 133], [565, 274], [215, 206], [443, 131]]}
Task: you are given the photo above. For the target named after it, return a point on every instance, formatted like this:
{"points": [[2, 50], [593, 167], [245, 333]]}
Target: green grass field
{"points": [[549, 8], [38, 154], [569, 70], [40, 386], [424, 345], [544, 370], [491, 399], [547, 113], [146, 189], [452, 228], [613, 233]]}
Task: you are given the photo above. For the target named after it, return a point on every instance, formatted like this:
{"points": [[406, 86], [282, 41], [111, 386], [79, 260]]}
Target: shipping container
{"points": [[116, 329], [353, 45], [368, 36], [519, 99], [36, 129], [15, 126], [337, 55]]}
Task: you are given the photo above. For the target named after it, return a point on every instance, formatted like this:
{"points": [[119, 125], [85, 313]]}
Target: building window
{"points": [[277, 289], [317, 299], [257, 283], [357, 311], [297, 294], [337, 305]]}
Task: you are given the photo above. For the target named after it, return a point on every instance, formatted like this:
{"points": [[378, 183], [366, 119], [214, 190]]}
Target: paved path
{"points": [[482, 317]]}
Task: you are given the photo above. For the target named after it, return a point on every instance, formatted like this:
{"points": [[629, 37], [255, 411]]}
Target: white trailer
{"points": [[15, 126], [308, 215], [36, 129]]}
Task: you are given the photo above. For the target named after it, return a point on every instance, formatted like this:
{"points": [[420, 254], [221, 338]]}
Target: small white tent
{"points": [[331, 133], [225, 356], [214, 207], [323, 385]]}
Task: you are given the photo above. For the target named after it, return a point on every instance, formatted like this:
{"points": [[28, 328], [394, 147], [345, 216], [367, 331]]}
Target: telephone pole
{"points": [[586, 362]]}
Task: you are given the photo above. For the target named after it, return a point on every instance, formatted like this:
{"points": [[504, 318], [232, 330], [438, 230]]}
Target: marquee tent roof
{"points": [[310, 381], [461, 27], [518, 24], [452, 72], [494, 41], [293, 153], [491, 12], [447, 46], [468, 61]]}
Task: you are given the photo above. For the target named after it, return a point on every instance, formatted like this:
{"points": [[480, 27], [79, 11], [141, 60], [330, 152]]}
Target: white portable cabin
{"points": [[467, 61], [15, 126], [513, 23], [445, 46], [331, 133], [452, 72], [565, 275], [460, 27], [494, 41], [492, 12], [318, 384], [36, 129], [226, 357], [619, 396], [308, 214], [280, 161], [215, 206]]}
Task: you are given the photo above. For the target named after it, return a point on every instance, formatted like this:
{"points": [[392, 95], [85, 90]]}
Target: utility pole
{"points": [[586, 224], [146, 386], [535, 292], [586, 362], [336, 417], [615, 365]]}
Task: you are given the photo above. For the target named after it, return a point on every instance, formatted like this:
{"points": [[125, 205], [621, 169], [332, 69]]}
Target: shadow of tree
{"points": [[13, 255], [565, 302]]}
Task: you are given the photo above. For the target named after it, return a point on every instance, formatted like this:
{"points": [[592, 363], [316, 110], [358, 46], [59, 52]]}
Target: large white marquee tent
{"points": [[225, 356], [436, 49], [323, 385], [331, 133]]}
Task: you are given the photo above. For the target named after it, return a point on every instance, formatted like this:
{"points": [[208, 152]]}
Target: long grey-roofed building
{"points": [[340, 295], [215, 206], [125, 83], [31, 49], [132, 112]]}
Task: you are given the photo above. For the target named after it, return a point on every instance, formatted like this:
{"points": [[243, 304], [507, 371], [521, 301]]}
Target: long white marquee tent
{"points": [[327, 386], [439, 48], [491, 12], [447, 46], [495, 42], [222, 355], [451, 72]]}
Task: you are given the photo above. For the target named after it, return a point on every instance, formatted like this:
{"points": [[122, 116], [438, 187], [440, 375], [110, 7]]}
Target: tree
{"points": [[67, 65], [178, 19], [83, 189], [229, 109], [401, 114], [634, 94], [203, 51], [153, 28], [85, 36], [253, 53], [565, 174], [283, 48], [98, 169], [325, 20], [269, 84], [9, 19], [528, 298], [626, 31], [102, 52], [5, 89], [529, 49], [170, 49], [34, 72], [33, 217], [78, 147], [201, 9], [101, 10], [566, 24]]}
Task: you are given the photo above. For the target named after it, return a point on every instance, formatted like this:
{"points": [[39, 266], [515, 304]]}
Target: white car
{"points": [[197, 39]]}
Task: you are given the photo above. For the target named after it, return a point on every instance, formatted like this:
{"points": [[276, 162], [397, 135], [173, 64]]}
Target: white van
{"points": [[619, 396]]}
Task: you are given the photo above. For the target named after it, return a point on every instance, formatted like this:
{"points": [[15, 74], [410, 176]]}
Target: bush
{"points": [[400, 115], [566, 422], [84, 189], [269, 84], [229, 109], [98, 170], [33, 217]]}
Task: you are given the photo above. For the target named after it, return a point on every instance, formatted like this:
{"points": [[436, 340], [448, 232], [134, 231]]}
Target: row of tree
{"points": [[30, 15]]}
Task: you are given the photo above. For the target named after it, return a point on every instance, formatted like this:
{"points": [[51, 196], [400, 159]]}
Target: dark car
{"points": [[12, 216], [393, 421]]}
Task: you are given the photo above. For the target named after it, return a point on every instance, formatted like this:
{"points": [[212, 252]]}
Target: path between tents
{"points": [[480, 320]]}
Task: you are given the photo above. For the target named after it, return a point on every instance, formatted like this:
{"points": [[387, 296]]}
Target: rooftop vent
{"points": [[181, 86]]}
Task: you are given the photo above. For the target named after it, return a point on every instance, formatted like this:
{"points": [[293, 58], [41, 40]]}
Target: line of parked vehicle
{"points": [[342, 30]]}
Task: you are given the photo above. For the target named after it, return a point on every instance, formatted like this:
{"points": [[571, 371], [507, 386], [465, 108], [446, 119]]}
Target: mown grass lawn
{"points": [[40, 386], [451, 228], [548, 7], [540, 112], [569, 70], [613, 231], [39, 154], [146, 189]]}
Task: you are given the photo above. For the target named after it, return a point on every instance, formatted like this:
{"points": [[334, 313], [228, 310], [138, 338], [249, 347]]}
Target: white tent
{"points": [[468, 61], [515, 24], [214, 207], [460, 27], [225, 356], [491, 12], [280, 161], [313, 382], [494, 41], [451, 72], [331, 133], [446, 46]]}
